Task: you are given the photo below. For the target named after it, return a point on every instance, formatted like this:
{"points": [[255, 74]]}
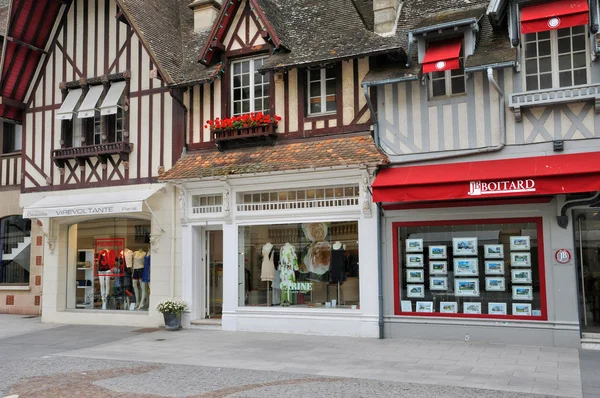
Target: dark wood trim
{"points": [[14, 103], [225, 90], [85, 36], [247, 51], [101, 184], [360, 114], [212, 103], [76, 71], [318, 118], [31, 179], [356, 84], [149, 92], [124, 47], [74, 60], [27, 45], [191, 115], [162, 130], [150, 124], [96, 31], [21, 72], [301, 74], [339, 93], [272, 93], [27, 23], [202, 116], [139, 123], [107, 36], [286, 100]]}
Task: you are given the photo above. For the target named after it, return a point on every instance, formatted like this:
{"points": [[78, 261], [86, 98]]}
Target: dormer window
{"points": [[443, 62], [555, 43]]}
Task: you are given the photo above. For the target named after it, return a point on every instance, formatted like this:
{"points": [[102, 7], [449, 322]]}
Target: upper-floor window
{"points": [[556, 58], [250, 88], [443, 61], [12, 135], [321, 91]]}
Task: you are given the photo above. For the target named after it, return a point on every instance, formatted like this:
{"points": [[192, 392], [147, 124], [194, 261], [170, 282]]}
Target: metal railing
{"points": [[212, 209], [298, 204]]}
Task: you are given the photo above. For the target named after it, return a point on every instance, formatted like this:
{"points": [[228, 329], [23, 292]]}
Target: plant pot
{"points": [[172, 321]]}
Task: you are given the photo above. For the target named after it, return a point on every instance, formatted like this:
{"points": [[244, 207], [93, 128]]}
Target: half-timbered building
{"points": [[276, 214], [491, 195]]}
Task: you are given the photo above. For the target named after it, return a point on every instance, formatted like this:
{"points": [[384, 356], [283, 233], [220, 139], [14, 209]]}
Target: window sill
{"points": [[554, 96], [448, 99], [15, 287], [313, 116], [102, 151], [11, 154]]}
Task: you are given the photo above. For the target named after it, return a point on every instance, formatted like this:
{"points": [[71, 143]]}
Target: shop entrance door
{"points": [[214, 274], [587, 247]]}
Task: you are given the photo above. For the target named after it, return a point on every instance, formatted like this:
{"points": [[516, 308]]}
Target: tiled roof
{"points": [[283, 156], [494, 47]]}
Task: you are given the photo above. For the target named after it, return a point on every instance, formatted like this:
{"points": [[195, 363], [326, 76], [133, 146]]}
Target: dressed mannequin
{"points": [[288, 263], [145, 281], [267, 272], [338, 262], [106, 261], [138, 269]]}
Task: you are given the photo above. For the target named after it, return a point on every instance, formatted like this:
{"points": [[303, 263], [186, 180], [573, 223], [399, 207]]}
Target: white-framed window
{"points": [[206, 204], [447, 83], [12, 136], [321, 91], [115, 125], [250, 88], [556, 58], [331, 196]]}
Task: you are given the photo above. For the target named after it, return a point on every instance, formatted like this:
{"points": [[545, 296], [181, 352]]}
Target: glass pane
{"points": [[329, 193], [330, 90], [530, 37], [315, 107], [530, 50], [544, 48], [458, 85], [438, 75], [245, 106], [315, 75], [237, 94], [330, 73], [579, 60], [245, 67], [310, 194], [283, 196], [245, 80], [258, 91], [258, 105], [301, 195], [218, 200], [544, 35], [438, 88], [247, 198], [564, 62], [256, 198], [531, 66], [564, 45], [319, 193], [246, 92], [273, 196], [579, 43], [348, 192], [545, 81], [565, 79], [237, 68], [331, 105], [531, 83], [563, 32], [580, 77], [237, 108], [578, 29], [264, 197], [315, 89], [291, 195], [258, 78], [237, 82], [266, 104], [211, 200], [339, 192], [545, 64]]}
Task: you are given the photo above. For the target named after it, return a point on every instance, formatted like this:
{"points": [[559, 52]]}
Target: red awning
{"points": [[554, 15], [442, 55], [544, 175]]}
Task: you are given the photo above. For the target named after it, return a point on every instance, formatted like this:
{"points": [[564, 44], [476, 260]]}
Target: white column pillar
{"points": [[368, 261], [187, 273], [230, 276]]}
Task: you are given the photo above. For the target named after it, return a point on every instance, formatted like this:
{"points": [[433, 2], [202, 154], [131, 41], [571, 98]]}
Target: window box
{"points": [[262, 132], [102, 151], [554, 96]]}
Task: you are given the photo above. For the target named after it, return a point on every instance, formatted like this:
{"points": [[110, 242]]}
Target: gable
{"points": [[245, 32]]}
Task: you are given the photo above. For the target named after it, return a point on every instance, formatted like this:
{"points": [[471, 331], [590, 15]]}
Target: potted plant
{"points": [[171, 309]]}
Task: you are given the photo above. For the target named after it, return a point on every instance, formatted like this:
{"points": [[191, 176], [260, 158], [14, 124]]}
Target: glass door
{"points": [[214, 274], [587, 247]]}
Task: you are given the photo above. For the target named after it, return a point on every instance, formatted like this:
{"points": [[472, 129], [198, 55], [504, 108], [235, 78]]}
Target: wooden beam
{"points": [[29, 46], [11, 102]]}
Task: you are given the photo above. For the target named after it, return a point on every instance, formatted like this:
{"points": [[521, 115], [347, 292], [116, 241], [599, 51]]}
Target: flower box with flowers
{"points": [[243, 126]]}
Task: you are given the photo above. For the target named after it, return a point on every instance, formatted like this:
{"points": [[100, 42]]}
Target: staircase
{"points": [[206, 324]]}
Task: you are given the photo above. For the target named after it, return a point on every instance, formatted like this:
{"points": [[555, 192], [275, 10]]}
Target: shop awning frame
{"points": [[89, 106], [67, 109], [493, 179], [554, 15], [98, 204], [442, 55], [110, 105]]}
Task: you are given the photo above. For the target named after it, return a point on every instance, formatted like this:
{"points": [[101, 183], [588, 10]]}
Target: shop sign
{"points": [[478, 188], [301, 287], [562, 256], [89, 210]]}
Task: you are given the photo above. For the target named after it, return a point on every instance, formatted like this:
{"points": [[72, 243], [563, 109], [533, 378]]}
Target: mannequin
{"points": [[138, 269], [288, 263], [106, 261], [338, 265], [267, 272], [145, 281]]}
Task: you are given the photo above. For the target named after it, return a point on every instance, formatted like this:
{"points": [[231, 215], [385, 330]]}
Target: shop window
{"points": [[206, 204], [15, 238], [12, 137], [310, 265], [556, 58], [485, 268], [109, 265], [250, 88], [321, 94], [332, 196]]}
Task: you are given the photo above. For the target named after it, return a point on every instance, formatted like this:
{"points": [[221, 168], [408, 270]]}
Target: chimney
{"points": [[205, 13], [386, 14]]}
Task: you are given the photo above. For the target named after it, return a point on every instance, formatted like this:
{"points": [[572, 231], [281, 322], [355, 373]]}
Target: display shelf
{"points": [[84, 287]]}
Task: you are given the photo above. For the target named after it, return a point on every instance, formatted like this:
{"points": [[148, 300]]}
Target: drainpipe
{"points": [[409, 50], [380, 269]]}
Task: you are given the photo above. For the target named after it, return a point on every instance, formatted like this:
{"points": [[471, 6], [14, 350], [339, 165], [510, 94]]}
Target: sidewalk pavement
{"points": [[519, 369]]}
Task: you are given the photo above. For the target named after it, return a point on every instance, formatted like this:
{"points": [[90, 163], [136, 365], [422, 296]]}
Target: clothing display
{"points": [[267, 272], [338, 263], [128, 254], [138, 259], [287, 266], [106, 260], [146, 272]]}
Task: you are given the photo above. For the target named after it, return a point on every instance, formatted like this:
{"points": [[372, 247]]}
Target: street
{"points": [[41, 360]]}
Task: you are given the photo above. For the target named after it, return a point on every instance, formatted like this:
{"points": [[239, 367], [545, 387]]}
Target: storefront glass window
{"points": [[485, 268], [15, 238], [109, 265], [302, 265]]}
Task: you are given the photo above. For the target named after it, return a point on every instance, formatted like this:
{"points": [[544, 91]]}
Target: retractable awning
{"points": [[90, 102], [110, 105], [68, 106], [543, 175], [554, 15], [442, 55], [99, 204]]}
